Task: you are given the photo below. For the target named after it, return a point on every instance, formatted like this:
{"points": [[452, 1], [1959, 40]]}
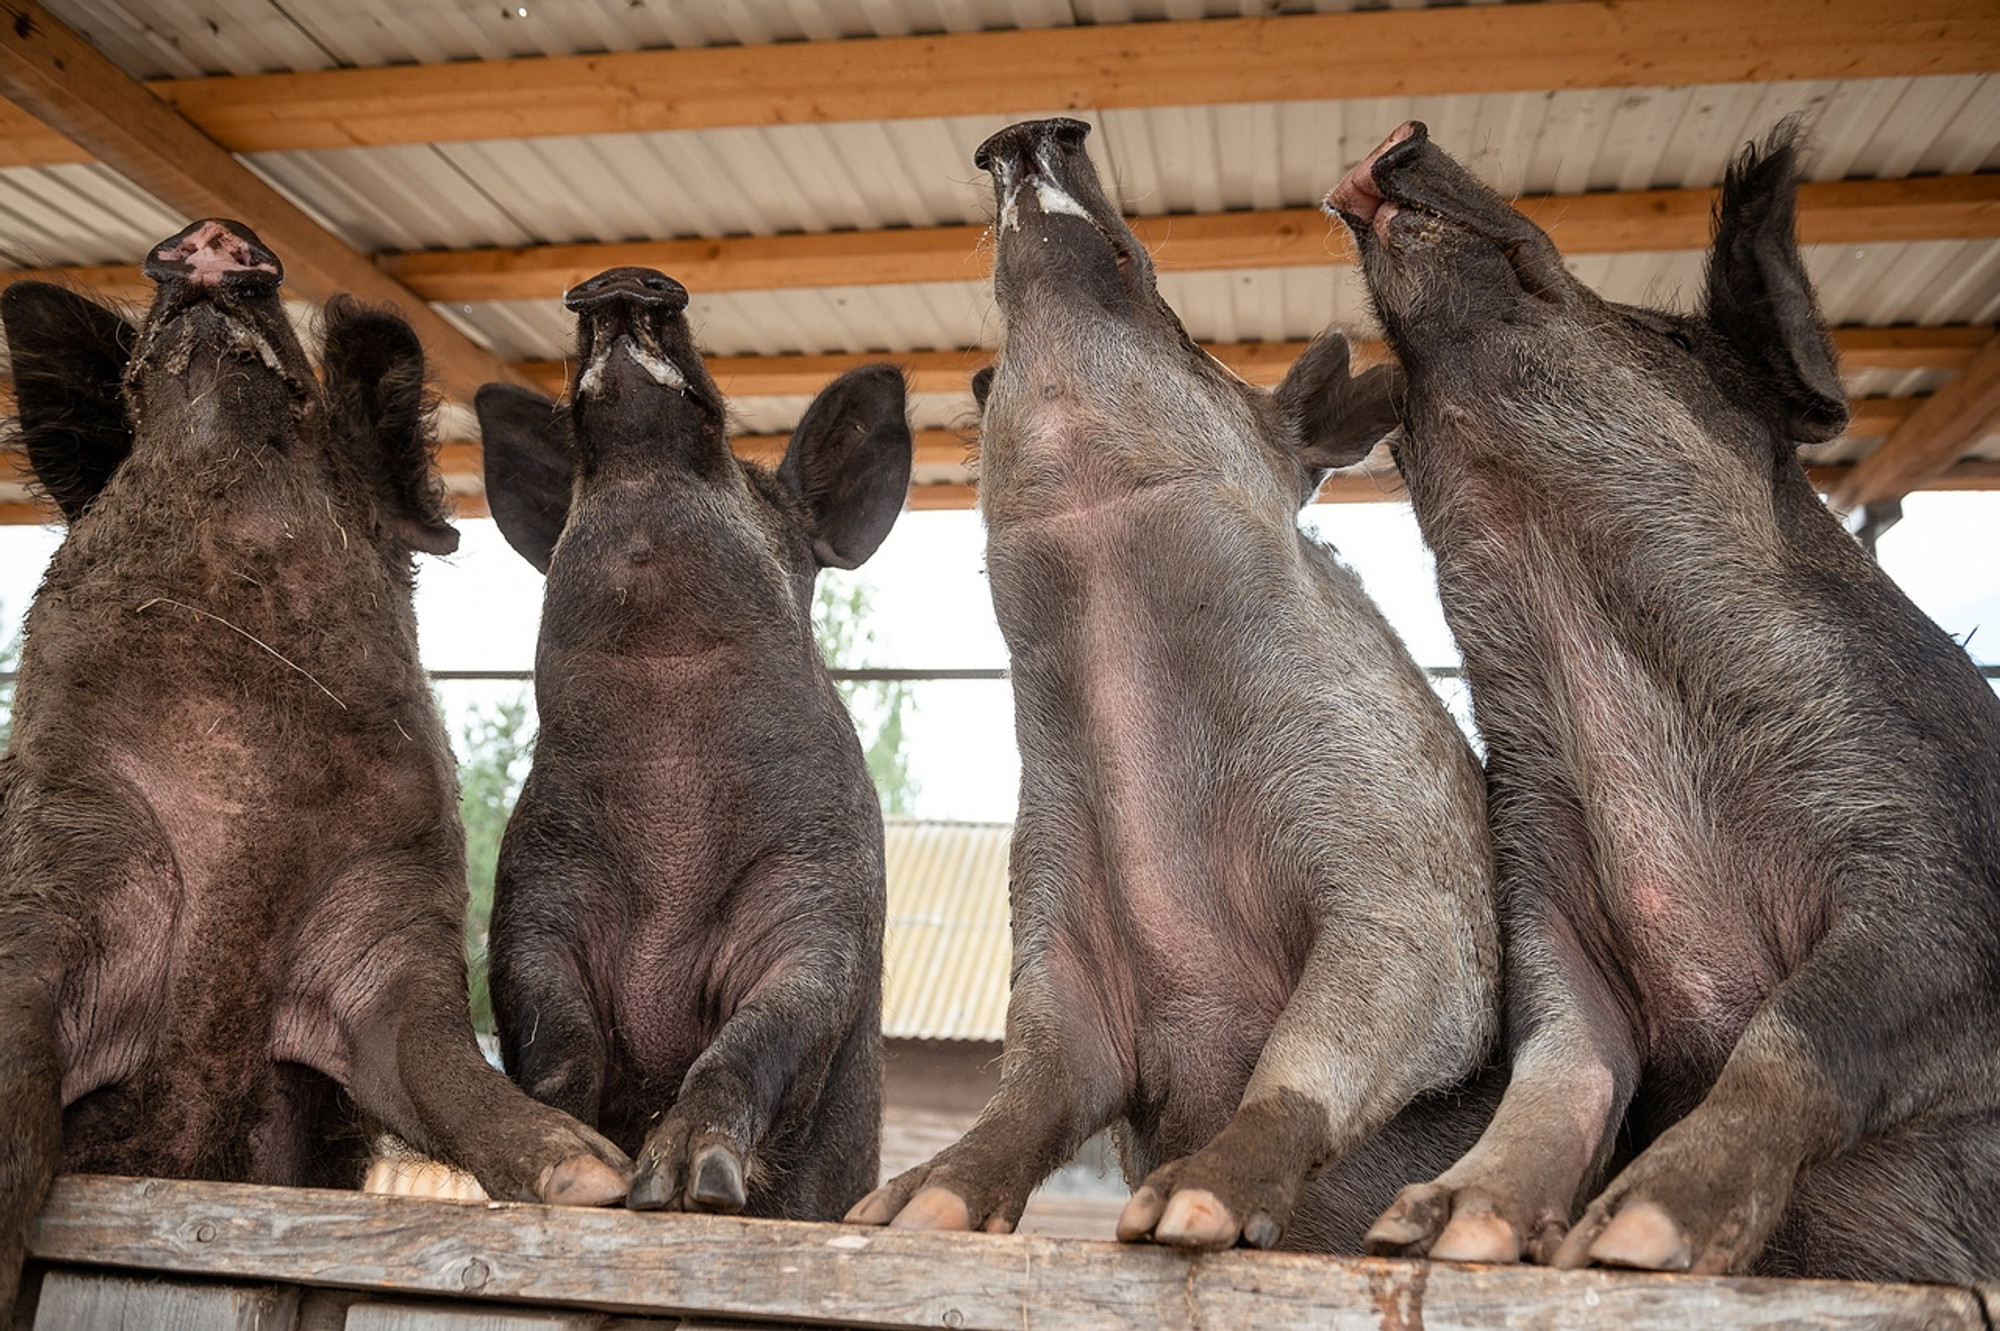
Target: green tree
{"points": [[840, 621], [495, 745]]}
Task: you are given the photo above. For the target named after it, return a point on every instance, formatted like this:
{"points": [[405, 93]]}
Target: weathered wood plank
{"points": [[470, 1317], [842, 1276], [87, 1301]]}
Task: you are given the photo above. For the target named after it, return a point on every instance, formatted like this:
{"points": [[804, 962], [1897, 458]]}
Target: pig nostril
{"points": [[1065, 130]]}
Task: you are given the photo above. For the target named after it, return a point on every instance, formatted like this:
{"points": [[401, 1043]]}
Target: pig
{"points": [[687, 921], [1251, 890], [232, 878], [1742, 789]]}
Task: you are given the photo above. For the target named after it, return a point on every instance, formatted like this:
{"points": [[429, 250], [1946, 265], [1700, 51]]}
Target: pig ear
{"points": [[374, 367], [1336, 416], [849, 461], [69, 356], [1759, 297], [525, 437]]}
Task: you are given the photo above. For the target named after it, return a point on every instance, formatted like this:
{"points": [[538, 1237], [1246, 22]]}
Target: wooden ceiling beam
{"points": [[1441, 51], [59, 78], [1932, 437], [1845, 212], [1855, 212]]}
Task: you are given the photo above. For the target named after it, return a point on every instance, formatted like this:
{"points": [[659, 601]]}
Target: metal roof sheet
{"points": [[947, 952]]}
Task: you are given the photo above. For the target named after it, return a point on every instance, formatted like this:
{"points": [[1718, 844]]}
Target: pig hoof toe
{"points": [[1260, 1231], [934, 1208], [1196, 1218], [998, 1224], [870, 1210], [582, 1180], [1141, 1213], [652, 1191], [1477, 1236], [1642, 1235], [718, 1180]]}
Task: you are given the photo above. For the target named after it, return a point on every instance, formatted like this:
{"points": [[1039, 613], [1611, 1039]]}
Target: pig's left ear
{"points": [[1760, 299], [69, 356], [1337, 416], [374, 367], [849, 462]]}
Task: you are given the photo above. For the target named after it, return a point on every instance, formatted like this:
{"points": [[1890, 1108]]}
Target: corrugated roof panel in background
{"points": [[86, 214], [947, 952]]}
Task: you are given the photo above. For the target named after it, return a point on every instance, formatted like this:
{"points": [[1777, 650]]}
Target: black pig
{"points": [[232, 879], [1251, 888], [687, 923], [1743, 792]]}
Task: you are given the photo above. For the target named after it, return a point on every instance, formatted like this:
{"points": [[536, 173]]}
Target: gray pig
{"points": [[687, 924], [232, 879], [1743, 792], [1251, 886]]}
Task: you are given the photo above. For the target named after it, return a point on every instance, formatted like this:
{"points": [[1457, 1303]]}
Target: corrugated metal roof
{"points": [[886, 174], [947, 953]]}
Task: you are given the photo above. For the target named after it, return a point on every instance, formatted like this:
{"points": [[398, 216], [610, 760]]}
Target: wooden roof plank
{"points": [[61, 79], [1845, 212], [1933, 436], [1440, 51]]}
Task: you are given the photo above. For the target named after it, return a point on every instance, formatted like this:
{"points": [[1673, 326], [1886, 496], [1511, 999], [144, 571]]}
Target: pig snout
{"points": [[645, 287], [1360, 196], [215, 253], [1022, 145]]}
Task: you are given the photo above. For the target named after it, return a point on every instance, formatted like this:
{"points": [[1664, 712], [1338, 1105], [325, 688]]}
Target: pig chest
{"points": [[1638, 798], [1126, 727]]}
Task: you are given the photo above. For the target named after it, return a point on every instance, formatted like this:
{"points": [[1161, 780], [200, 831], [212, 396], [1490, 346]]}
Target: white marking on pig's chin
{"points": [[657, 367], [1054, 199]]}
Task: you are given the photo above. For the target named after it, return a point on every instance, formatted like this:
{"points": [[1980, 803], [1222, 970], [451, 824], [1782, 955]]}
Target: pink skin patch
{"points": [[1357, 195], [212, 251]]}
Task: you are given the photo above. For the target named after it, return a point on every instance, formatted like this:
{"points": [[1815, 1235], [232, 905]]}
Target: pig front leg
{"points": [[1575, 1063], [1060, 1081], [550, 1039], [1818, 1068], [30, 1111], [771, 1057], [379, 1005], [1348, 1052]]}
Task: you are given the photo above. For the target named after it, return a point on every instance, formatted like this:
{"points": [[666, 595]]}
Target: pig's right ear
{"points": [[69, 358], [1760, 299], [849, 462], [1335, 415], [526, 440]]}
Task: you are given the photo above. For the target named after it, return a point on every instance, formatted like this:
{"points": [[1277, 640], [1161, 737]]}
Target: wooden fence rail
{"points": [[478, 1255]]}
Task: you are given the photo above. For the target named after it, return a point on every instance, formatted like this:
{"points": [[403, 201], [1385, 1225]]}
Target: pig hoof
{"points": [[874, 1209], [1196, 1218], [653, 1190], [581, 1180], [1642, 1235], [1141, 1213], [998, 1224], [718, 1180], [1477, 1236], [1260, 1231], [934, 1208]]}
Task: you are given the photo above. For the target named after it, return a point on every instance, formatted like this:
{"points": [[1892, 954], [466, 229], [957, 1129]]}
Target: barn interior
{"points": [[804, 167]]}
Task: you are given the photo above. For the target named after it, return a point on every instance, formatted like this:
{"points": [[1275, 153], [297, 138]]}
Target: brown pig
{"points": [[232, 879], [1743, 791], [1251, 887]]}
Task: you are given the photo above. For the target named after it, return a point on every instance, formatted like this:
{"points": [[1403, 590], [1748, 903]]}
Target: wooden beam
{"points": [[1845, 212], [1854, 212], [60, 79], [1932, 437], [614, 1260], [26, 141], [1455, 50]]}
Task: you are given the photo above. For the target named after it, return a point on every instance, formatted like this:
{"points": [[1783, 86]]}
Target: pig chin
{"points": [[203, 347]]}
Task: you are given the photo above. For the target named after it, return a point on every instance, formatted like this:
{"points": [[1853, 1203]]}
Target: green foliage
{"points": [[494, 748], [840, 620], [10, 659]]}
